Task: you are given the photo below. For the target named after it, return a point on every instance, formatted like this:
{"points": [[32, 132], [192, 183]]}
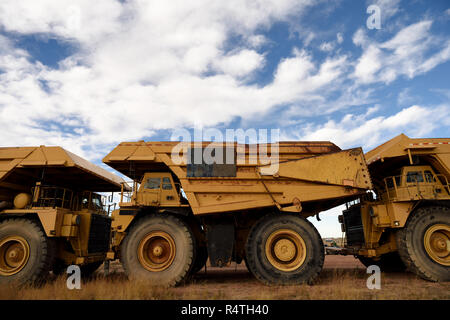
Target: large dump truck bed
{"points": [[22, 167], [311, 176], [402, 150]]}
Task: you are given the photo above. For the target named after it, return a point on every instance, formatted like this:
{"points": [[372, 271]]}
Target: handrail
{"points": [[59, 197], [127, 195], [392, 192]]}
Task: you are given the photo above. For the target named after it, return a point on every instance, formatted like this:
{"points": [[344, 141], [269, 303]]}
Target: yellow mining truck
{"points": [[185, 208], [50, 213], [405, 222]]}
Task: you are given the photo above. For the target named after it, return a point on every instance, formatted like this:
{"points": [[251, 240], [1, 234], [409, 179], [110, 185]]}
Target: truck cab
{"points": [[416, 183], [52, 213], [156, 189]]}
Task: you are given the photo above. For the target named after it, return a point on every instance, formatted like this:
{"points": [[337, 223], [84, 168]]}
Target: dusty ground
{"points": [[343, 277]]}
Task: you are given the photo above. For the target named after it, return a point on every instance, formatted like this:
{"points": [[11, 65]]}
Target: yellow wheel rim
{"points": [[14, 255], [156, 251], [285, 250], [437, 243]]}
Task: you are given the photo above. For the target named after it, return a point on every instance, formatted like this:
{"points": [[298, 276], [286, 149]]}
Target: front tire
{"points": [[26, 254], [160, 249], [424, 243], [284, 249]]}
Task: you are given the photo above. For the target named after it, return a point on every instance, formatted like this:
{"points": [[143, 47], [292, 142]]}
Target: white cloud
{"points": [[326, 46], [81, 21], [405, 97], [412, 51], [141, 66], [363, 130], [257, 40], [388, 8], [368, 64], [340, 37], [241, 63]]}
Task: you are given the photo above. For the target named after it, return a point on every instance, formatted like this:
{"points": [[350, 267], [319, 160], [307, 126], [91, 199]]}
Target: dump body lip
{"points": [[57, 158]]}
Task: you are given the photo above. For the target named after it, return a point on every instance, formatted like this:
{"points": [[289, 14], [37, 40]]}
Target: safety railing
{"points": [[49, 196], [126, 194], [402, 187], [58, 197]]}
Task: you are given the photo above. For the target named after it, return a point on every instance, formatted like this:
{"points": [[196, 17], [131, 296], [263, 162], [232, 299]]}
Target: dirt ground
{"points": [[342, 278]]}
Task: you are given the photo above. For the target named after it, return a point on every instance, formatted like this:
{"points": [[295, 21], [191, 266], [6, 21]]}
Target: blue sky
{"points": [[87, 77]]}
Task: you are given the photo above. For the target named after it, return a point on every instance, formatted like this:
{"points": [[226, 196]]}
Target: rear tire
{"points": [[201, 251], [26, 255], [423, 244], [160, 249], [284, 249]]}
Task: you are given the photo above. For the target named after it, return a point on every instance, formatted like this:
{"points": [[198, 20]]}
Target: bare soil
{"points": [[343, 277]]}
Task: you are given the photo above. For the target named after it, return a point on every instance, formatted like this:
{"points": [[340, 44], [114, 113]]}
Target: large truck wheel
{"points": [[26, 255], [424, 243], [284, 249], [201, 251], [160, 249], [389, 262]]}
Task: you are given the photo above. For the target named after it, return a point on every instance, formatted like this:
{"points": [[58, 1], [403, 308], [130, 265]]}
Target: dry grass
{"points": [[236, 283]]}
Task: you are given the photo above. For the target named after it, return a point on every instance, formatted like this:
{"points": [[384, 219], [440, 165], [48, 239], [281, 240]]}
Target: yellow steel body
{"points": [[318, 174], [400, 194], [69, 223]]}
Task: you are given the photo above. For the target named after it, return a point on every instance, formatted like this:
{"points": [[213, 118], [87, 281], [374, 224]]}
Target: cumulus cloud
{"points": [[412, 51], [368, 131], [326, 46], [388, 8], [139, 66], [142, 66]]}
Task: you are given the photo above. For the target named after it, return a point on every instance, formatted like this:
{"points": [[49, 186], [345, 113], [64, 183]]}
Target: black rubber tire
{"points": [[201, 257], [263, 270], [389, 262], [41, 255], [201, 251], [184, 240], [410, 243]]}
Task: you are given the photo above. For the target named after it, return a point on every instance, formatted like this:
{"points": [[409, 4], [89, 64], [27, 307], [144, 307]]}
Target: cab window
{"points": [[390, 181], [152, 183], [166, 184], [414, 176], [429, 176]]}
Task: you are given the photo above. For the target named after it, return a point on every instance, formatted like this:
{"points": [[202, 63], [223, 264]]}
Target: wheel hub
{"points": [[285, 249], [437, 243], [156, 251], [14, 255]]}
